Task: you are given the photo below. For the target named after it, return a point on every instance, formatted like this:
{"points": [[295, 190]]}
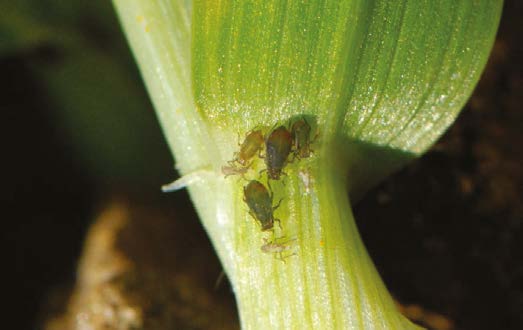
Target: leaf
{"points": [[385, 77]]}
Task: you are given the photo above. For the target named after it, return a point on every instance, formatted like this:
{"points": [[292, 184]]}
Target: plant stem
{"points": [[331, 282]]}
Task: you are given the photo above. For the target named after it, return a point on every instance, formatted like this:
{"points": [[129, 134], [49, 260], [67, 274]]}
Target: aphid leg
{"points": [[279, 256], [234, 159], [261, 173], [288, 256]]}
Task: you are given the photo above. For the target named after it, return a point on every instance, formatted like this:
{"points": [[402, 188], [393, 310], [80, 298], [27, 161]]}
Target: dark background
{"points": [[445, 232]]}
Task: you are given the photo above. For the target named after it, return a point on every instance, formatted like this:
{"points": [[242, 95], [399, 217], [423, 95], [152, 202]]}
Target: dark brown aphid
{"points": [[259, 201], [301, 132], [278, 248], [278, 146], [251, 145]]}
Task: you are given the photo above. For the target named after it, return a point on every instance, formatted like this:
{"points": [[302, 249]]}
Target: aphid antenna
{"points": [[238, 141], [186, 180]]}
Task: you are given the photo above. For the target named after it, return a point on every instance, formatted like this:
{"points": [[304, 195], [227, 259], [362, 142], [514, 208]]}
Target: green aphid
{"points": [[251, 145], [301, 132], [278, 146], [259, 201], [249, 148]]}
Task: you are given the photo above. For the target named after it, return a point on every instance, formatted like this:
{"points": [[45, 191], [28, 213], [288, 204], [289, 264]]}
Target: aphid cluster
{"points": [[279, 145]]}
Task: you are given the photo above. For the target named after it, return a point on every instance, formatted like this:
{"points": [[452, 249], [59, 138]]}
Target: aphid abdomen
{"points": [[251, 145], [278, 147], [233, 170], [259, 202]]}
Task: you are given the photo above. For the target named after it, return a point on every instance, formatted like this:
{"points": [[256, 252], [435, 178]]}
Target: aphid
{"points": [[259, 201], [301, 132], [278, 146], [232, 170], [278, 248], [251, 145]]}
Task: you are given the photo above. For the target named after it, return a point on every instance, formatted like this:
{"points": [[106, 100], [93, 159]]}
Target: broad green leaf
{"points": [[387, 76], [378, 80]]}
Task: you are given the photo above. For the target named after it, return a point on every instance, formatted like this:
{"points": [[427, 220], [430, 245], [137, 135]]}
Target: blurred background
{"points": [[80, 135]]}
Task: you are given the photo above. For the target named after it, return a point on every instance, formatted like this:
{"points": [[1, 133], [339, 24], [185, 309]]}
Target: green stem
{"points": [[331, 282]]}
